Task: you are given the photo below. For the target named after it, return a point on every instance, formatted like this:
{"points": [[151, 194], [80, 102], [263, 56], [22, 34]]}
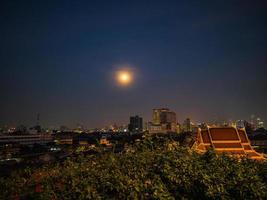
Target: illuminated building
{"points": [[229, 140], [163, 116], [256, 122], [240, 124], [123, 128], [259, 123], [154, 128], [104, 141], [164, 121], [136, 124], [156, 116]]}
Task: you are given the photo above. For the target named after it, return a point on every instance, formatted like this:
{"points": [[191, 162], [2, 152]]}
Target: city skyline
{"points": [[202, 60], [254, 120]]}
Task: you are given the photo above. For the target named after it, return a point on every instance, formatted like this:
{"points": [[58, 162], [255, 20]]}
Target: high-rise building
{"points": [[136, 124], [187, 126], [163, 116], [156, 116], [164, 121]]}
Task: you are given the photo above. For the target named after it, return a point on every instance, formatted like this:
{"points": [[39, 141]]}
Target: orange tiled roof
{"points": [[223, 134], [226, 140], [205, 136]]}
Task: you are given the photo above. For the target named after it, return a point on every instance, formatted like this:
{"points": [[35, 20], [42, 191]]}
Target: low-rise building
{"points": [[26, 139]]}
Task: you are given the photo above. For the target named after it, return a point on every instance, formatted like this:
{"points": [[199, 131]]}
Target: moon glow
{"points": [[124, 77]]}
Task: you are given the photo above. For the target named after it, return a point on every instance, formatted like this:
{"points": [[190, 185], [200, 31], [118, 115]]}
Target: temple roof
{"points": [[229, 140]]}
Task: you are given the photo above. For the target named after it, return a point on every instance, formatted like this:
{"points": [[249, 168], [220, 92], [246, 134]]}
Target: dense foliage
{"points": [[156, 168]]}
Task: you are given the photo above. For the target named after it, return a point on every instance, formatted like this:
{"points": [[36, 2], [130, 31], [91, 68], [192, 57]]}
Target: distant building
{"points": [[105, 141], [123, 128], [163, 116], [259, 123], [155, 128], [178, 128], [26, 139], [259, 141], [164, 121], [256, 122], [203, 125], [114, 128], [84, 139], [63, 128], [35, 130], [136, 124], [65, 137], [259, 138], [240, 124], [187, 126]]}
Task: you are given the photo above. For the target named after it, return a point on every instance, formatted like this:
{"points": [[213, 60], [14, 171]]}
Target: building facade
{"points": [[163, 121], [26, 139], [136, 124], [187, 126]]}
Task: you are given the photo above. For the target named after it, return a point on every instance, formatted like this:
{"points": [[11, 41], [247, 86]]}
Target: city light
{"points": [[133, 100]]}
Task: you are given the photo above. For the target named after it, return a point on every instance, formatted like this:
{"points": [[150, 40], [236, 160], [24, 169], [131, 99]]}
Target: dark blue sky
{"points": [[203, 59]]}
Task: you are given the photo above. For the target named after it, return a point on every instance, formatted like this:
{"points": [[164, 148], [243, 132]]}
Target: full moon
{"points": [[124, 77]]}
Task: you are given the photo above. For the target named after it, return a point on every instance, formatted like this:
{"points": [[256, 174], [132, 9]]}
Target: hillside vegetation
{"points": [[156, 168]]}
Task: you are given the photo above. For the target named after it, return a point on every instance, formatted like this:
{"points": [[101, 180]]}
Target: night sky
{"points": [[203, 59]]}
